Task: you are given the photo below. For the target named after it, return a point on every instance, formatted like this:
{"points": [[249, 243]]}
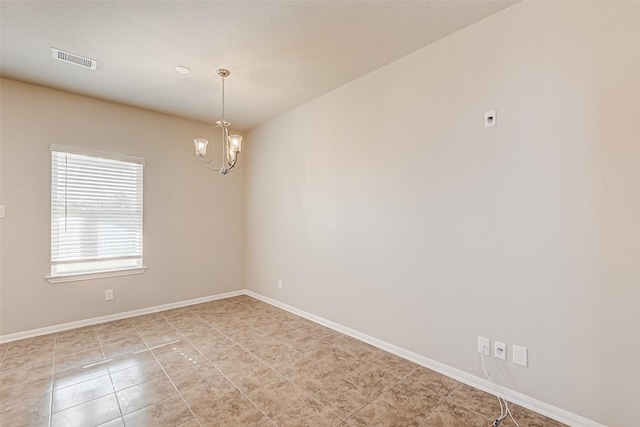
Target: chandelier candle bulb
{"points": [[236, 143], [201, 146]]}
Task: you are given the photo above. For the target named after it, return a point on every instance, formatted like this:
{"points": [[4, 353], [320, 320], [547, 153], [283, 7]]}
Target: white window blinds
{"points": [[96, 212]]}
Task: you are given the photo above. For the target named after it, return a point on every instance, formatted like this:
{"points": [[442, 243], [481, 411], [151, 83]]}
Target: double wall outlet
{"points": [[279, 284], [520, 355], [108, 294]]}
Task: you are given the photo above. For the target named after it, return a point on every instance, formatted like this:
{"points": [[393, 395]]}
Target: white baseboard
{"points": [[111, 317], [515, 397]]}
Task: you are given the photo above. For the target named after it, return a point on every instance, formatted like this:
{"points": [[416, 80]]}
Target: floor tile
{"points": [[316, 349], [42, 422], [373, 378], [308, 413], [124, 361], [169, 412], [11, 394], [217, 345], [527, 418], [237, 412], [432, 380], [475, 400], [77, 344], [380, 414], [41, 371], [233, 360], [340, 362], [81, 358], [39, 344], [359, 349], [20, 360], [205, 398], [113, 327], [413, 399], [288, 363], [94, 412], [147, 393], [449, 415], [156, 338], [110, 337], [395, 365], [129, 345], [313, 377], [191, 423], [178, 356], [194, 376], [117, 422], [136, 374], [21, 412], [64, 398], [276, 397], [254, 377], [344, 398], [315, 329], [79, 374]]}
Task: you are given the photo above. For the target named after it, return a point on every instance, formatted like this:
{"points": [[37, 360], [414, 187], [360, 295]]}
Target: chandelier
{"points": [[231, 144]]}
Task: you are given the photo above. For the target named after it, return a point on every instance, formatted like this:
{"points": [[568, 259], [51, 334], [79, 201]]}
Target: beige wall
{"points": [[387, 207], [193, 218]]}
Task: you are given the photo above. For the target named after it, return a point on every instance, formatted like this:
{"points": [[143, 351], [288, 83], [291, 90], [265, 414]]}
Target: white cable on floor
{"points": [[500, 395]]}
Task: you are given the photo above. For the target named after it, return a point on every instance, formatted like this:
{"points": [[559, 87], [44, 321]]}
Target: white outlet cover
{"points": [[520, 356], [484, 346], [500, 350], [490, 119]]}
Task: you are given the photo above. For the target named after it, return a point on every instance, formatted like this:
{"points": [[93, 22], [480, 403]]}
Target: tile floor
{"points": [[233, 362]]}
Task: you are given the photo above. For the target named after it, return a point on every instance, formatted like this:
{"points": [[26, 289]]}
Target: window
{"points": [[96, 214]]}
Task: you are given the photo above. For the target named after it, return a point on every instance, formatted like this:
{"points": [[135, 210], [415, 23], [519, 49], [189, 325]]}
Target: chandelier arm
{"points": [[231, 162], [206, 162], [213, 169]]}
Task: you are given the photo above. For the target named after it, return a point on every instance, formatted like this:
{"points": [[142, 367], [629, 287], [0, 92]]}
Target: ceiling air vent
{"points": [[73, 59]]}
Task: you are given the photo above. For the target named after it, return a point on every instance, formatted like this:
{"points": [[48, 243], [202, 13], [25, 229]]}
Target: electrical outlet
{"points": [[108, 294], [484, 346], [520, 355], [490, 119], [279, 284], [500, 350]]}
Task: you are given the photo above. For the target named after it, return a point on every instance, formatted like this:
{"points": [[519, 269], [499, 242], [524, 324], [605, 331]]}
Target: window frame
{"points": [[139, 268]]}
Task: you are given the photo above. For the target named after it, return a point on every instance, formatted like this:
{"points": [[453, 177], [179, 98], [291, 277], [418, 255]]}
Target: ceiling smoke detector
{"points": [[74, 59]]}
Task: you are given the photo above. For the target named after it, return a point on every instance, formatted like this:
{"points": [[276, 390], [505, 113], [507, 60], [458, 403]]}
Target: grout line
{"points": [[97, 363], [53, 376], [154, 347]]}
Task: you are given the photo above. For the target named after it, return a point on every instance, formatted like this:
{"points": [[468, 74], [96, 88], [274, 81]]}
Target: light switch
{"points": [[1, 211]]}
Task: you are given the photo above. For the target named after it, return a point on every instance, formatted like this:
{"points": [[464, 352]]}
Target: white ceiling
{"points": [[281, 53]]}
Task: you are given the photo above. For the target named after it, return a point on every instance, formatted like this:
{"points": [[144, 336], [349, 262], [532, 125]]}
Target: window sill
{"points": [[95, 275]]}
